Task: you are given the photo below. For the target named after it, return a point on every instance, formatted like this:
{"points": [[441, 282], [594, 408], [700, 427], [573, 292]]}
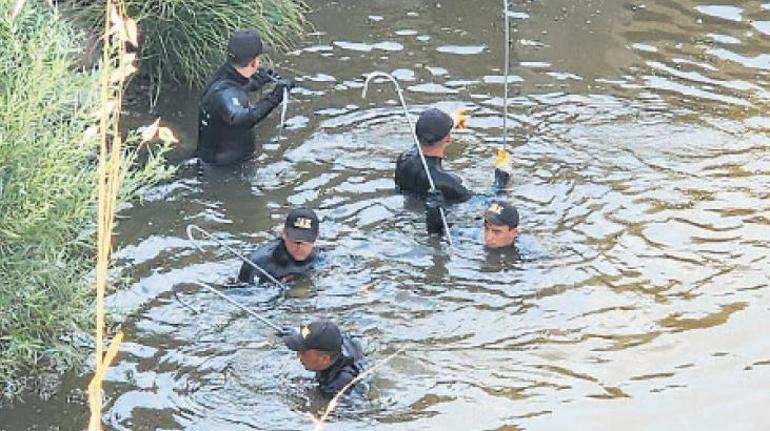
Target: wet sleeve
{"points": [[452, 187], [253, 85], [331, 389], [248, 274], [235, 114]]}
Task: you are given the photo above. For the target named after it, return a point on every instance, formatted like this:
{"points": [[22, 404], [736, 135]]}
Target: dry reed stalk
{"points": [[17, 8], [117, 66]]}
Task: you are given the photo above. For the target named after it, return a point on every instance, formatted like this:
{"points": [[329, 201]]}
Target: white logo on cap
{"points": [[303, 223], [496, 208]]}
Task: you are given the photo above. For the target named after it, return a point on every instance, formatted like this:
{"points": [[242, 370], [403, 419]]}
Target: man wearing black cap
{"points": [[289, 257], [225, 116], [433, 132], [501, 225], [336, 359]]}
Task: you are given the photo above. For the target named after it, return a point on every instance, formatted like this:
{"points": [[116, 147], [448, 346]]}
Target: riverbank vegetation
{"points": [[184, 42], [48, 170]]}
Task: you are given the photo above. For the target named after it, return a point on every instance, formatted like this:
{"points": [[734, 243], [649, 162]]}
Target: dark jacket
{"points": [[225, 117], [276, 260], [410, 178], [347, 367]]}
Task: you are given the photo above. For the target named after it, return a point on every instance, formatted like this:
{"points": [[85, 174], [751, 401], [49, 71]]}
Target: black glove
{"points": [[260, 78], [277, 94], [434, 203], [502, 176], [288, 84], [263, 76], [286, 331]]}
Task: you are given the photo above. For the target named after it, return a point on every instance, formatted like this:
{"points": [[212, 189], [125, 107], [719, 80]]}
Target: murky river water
{"points": [[642, 177]]}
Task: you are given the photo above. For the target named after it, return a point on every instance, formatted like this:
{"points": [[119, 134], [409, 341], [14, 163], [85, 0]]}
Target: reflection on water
{"points": [[642, 177]]}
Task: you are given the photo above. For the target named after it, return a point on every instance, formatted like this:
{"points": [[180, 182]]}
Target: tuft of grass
{"points": [[48, 175], [185, 41]]}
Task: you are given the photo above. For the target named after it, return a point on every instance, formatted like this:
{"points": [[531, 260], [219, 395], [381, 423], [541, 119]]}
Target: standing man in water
{"points": [[226, 117], [433, 131], [336, 359], [290, 257]]}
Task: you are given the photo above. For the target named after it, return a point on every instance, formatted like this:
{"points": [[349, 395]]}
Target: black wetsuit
{"points": [[410, 178], [343, 370], [225, 117], [276, 260]]}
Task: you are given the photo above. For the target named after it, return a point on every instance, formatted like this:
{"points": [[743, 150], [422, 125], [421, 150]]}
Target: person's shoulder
{"points": [[264, 252], [345, 376], [403, 157]]}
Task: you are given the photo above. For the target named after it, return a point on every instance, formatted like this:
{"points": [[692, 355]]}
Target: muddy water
{"points": [[642, 178]]}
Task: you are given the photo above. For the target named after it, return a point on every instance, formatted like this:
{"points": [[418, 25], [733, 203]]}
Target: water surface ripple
{"points": [[642, 174]]}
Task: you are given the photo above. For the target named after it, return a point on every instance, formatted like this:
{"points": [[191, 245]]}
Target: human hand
{"points": [[435, 200], [263, 76], [503, 168], [288, 84], [433, 206]]}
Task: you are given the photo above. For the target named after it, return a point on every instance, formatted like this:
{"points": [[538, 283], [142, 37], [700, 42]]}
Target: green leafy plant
{"points": [[48, 177]]}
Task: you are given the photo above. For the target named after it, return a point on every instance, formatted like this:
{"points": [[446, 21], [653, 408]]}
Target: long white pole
{"points": [[414, 136], [507, 55]]}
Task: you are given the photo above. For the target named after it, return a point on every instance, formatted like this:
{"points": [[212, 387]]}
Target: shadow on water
{"points": [[642, 176]]}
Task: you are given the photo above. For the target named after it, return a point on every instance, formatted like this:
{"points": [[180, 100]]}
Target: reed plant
{"points": [[48, 175], [185, 41]]}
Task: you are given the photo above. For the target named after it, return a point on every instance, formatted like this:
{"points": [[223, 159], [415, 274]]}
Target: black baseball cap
{"points": [[501, 213], [301, 225], [318, 335], [432, 126], [244, 45]]}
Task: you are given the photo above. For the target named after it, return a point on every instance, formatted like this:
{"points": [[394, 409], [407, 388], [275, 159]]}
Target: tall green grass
{"points": [[47, 191], [185, 41]]}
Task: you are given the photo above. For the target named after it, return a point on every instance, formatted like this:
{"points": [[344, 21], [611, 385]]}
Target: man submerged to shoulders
{"points": [[289, 257], [335, 358], [501, 226], [226, 116]]}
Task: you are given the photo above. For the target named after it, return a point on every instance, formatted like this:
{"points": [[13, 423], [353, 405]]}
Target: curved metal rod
{"points": [[190, 236], [506, 47], [390, 78], [242, 307]]}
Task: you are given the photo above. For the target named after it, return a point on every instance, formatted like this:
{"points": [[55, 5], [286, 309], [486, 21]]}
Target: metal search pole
{"points": [[192, 227], [284, 104], [242, 307], [506, 47], [414, 136]]}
